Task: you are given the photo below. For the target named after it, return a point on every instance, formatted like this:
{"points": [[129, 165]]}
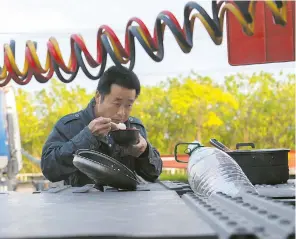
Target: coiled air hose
{"points": [[244, 12]]}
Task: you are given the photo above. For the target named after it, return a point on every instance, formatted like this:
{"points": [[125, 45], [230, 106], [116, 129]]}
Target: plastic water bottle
{"points": [[211, 170]]}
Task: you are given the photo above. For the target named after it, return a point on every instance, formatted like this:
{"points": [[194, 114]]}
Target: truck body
{"points": [[10, 141]]}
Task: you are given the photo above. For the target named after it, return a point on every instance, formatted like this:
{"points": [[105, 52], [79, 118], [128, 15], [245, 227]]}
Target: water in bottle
{"points": [[211, 170]]}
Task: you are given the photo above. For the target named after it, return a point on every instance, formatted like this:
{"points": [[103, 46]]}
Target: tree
{"points": [[266, 110], [201, 105], [30, 127]]}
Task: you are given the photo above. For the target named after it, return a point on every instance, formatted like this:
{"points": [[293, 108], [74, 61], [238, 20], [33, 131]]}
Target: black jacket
{"points": [[71, 133]]}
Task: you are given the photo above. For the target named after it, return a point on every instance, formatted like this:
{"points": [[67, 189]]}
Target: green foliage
{"points": [[180, 176], [259, 108]]}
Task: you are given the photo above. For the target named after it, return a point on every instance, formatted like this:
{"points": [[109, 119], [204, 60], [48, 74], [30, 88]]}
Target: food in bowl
{"points": [[121, 126]]}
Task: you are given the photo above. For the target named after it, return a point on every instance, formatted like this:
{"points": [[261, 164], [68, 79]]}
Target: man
{"points": [[88, 129]]}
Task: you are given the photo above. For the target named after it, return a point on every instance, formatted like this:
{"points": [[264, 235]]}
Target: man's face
{"points": [[117, 105]]}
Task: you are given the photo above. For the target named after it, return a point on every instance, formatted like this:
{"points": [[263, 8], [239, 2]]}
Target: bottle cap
{"points": [[193, 146]]}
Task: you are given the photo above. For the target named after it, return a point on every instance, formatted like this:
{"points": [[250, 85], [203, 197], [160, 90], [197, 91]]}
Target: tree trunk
{"points": [[199, 128]]}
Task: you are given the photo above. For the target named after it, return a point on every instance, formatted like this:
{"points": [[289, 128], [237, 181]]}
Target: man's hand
{"points": [[138, 149], [100, 126]]}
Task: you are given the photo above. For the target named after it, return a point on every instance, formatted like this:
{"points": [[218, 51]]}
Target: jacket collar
{"points": [[88, 112]]}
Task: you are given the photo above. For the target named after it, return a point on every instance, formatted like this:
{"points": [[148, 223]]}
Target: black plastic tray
{"points": [[105, 170]]}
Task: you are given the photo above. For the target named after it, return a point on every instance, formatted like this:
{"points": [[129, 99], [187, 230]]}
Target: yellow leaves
{"points": [[193, 98], [213, 120]]}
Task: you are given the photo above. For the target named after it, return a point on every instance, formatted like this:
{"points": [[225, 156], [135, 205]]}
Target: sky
{"points": [[39, 20]]}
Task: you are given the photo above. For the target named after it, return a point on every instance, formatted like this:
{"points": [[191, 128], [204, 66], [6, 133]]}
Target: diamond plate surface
{"points": [[179, 187], [250, 215], [280, 191], [286, 190]]}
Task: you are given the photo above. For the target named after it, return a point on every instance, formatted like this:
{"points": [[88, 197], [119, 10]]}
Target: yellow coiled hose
{"points": [[244, 12]]}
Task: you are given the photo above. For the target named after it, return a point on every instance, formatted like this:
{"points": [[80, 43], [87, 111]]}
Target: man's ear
{"points": [[97, 98]]}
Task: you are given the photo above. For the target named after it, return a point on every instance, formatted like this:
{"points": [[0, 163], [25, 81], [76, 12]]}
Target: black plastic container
{"points": [[261, 166]]}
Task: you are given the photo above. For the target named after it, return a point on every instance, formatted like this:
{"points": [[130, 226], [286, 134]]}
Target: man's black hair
{"points": [[120, 76]]}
